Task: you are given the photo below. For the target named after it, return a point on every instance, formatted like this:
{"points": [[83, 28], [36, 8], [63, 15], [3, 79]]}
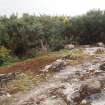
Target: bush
{"points": [[6, 56]]}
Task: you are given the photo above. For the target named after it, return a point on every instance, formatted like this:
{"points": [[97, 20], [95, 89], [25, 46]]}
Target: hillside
{"points": [[76, 79]]}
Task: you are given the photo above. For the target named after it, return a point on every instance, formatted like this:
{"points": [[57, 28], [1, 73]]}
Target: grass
{"points": [[77, 56]]}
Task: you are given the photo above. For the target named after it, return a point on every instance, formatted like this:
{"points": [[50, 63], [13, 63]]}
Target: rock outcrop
{"points": [[55, 66], [102, 67]]}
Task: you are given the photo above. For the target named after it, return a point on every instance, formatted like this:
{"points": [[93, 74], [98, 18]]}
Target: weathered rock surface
{"points": [[94, 50], [102, 67], [71, 86], [55, 66], [82, 84], [90, 87]]}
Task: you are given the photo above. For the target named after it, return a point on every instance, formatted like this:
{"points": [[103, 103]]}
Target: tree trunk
{"points": [[44, 47]]}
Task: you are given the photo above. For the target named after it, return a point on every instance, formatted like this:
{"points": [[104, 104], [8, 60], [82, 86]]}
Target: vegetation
{"points": [[30, 35], [6, 56]]}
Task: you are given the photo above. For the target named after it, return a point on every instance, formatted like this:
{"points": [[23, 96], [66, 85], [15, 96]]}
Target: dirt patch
{"points": [[30, 65]]}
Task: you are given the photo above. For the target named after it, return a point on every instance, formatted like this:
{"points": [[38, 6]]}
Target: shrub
{"points": [[6, 56]]}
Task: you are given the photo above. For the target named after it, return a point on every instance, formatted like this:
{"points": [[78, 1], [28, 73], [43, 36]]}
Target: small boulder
{"points": [[58, 65], [69, 46], [75, 97], [100, 44], [102, 67], [47, 67], [55, 66], [4, 93], [86, 89], [84, 102], [90, 87]]}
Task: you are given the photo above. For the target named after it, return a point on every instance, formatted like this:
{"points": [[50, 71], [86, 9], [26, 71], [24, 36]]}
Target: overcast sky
{"points": [[51, 7]]}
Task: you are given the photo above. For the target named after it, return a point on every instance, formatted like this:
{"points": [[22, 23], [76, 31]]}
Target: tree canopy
{"points": [[23, 34]]}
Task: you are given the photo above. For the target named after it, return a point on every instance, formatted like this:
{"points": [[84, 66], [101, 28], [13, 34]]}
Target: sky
{"points": [[50, 7]]}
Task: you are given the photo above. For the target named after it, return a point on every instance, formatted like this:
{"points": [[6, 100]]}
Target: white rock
{"points": [[84, 102], [8, 95], [69, 46]]}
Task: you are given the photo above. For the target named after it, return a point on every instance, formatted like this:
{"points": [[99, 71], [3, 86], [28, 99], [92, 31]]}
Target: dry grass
{"points": [[26, 81], [77, 57], [100, 51], [23, 83], [6, 101]]}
